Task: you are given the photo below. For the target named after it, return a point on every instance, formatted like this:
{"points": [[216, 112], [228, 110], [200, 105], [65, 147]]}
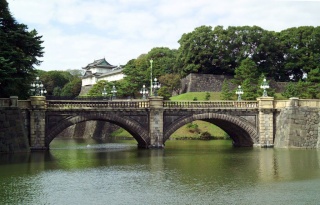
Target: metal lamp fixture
{"points": [[239, 92], [144, 92], [104, 92], [265, 86], [156, 86], [37, 88], [114, 92]]}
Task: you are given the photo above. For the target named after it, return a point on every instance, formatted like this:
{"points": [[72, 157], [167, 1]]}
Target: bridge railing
{"points": [[210, 104], [279, 104], [81, 104], [4, 102], [309, 103]]}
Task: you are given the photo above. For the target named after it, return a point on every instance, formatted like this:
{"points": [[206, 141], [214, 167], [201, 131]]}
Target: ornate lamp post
{"points": [[37, 88], [151, 61], [144, 92], [104, 93], [264, 86], [114, 92], [239, 92], [156, 86]]}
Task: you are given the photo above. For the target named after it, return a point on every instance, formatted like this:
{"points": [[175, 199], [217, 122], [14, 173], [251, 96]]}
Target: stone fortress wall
{"points": [[213, 83]]}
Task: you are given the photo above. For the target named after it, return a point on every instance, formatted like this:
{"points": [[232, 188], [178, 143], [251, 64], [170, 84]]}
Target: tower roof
{"points": [[101, 63]]}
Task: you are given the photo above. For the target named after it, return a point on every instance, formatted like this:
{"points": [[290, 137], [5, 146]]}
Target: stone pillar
{"points": [[13, 101], [294, 102], [266, 124], [38, 123], [156, 122], [38, 102]]}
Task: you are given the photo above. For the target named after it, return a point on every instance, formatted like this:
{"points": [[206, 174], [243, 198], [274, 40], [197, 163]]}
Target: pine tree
{"points": [[226, 93], [250, 90], [19, 51], [247, 76], [313, 80], [291, 90]]}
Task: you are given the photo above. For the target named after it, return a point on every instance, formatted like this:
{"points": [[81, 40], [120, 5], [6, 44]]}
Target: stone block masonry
{"points": [[195, 82], [13, 137], [298, 127]]}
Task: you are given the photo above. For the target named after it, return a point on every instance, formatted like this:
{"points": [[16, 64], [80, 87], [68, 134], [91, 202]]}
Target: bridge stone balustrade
{"points": [[151, 122]]}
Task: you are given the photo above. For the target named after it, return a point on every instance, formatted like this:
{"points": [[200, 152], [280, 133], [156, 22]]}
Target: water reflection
{"points": [[185, 172]]}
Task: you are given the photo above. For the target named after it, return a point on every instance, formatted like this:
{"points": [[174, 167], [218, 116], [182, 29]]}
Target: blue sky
{"points": [[76, 32]]}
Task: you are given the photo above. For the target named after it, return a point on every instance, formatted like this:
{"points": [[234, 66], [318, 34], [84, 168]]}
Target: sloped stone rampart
{"points": [[195, 82], [13, 137], [298, 127]]}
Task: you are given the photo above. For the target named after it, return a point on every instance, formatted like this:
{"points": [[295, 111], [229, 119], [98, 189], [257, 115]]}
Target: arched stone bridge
{"points": [[152, 121]]}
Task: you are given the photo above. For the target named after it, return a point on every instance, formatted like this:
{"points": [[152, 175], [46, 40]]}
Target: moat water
{"points": [[185, 172]]}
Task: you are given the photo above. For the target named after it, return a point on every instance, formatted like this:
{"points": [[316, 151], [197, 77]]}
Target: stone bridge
{"points": [[152, 121]]}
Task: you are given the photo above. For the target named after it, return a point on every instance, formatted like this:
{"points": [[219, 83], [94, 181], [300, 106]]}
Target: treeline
{"points": [[249, 53], [283, 56], [61, 83]]}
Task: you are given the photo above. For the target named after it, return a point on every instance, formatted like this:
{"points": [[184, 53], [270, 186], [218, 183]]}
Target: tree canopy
{"points": [[20, 50], [277, 54]]}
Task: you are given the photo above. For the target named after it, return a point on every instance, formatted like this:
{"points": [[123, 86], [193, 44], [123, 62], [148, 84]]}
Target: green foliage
{"points": [[72, 88], [313, 82], [195, 99], [277, 54], [305, 89], [226, 93], [97, 88], [207, 97], [301, 49], [250, 89], [220, 51], [193, 127], [164, 91], [291, 90], [19, 51], [136, 75], [247, 70], [53, 79], [138, 71], [171, 82], [57, 91], [195, 52], [247, 75]]}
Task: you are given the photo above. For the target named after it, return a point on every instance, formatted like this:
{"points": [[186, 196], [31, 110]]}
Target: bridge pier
{"points": [[37, 123], [266, 121], [156, 122]]}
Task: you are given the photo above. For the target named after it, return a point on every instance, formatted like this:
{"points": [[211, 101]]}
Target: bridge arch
{"points": [[241, 132], [135, 129]]}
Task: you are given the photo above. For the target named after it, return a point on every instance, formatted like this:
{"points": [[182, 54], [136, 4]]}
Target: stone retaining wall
{"points": [[13, 137], [213, 83], [89, 129], [298, 127]]}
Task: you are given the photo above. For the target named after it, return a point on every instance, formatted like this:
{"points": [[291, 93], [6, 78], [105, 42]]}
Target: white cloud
{"points": [[76, 32]]}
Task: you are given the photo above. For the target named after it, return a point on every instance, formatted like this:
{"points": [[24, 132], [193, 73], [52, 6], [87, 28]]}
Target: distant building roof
{"points": [[101, 63], [108, 69]]}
